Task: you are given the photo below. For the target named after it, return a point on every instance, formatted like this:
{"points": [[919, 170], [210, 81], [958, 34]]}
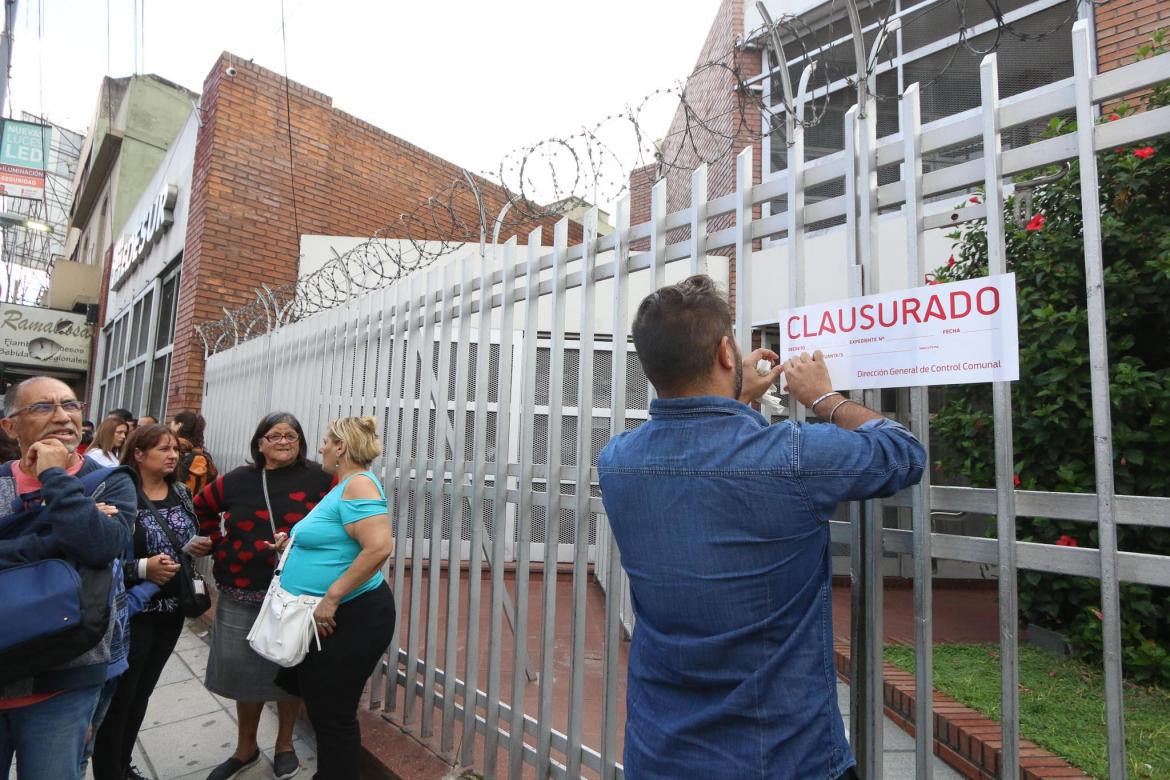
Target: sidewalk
{"points": [[188, 731], [898, 750]]}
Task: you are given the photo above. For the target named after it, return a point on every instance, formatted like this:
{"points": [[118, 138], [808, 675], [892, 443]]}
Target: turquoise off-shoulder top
{"points": [[322, 550]]}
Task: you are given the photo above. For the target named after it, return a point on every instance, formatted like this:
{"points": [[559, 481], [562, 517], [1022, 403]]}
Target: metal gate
{"points": [[475, 437]]}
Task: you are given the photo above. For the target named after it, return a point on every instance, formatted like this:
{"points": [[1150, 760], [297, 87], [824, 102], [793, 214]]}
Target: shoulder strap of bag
{"points": [[284, 557], [267, 502], [21, 512], [166, 529]]}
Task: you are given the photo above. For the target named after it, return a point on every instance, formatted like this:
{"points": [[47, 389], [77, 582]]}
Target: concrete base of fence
{"points": [[389, 753], [967, 740]]}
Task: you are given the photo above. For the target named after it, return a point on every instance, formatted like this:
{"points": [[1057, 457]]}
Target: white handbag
{"points": [[285, 624]]}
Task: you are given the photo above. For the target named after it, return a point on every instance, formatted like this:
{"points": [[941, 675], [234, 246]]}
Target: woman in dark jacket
{"points": [[151, 452], [256, 502]]}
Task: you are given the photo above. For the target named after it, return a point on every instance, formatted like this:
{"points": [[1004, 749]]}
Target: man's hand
{"points": [[160, 569], [807, 378], [755, 385], [46, 454]]}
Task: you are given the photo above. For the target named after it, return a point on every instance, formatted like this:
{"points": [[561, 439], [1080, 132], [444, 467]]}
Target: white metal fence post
{"points": [[920, 424], [1001, 398], [1102, 406]]}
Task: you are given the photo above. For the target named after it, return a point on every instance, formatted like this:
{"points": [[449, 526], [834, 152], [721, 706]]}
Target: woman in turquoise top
{"points": [[337, 554]]}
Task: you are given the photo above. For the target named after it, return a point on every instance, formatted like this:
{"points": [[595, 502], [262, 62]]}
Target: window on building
{"points": [[926, 49], [139, 343]]}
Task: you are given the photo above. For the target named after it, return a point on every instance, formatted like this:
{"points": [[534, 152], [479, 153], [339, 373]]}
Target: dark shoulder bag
{"points": [[193, 597], [53, 610]]}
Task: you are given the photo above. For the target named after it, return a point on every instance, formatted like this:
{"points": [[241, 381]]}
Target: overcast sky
{"points": [[466, 80]]}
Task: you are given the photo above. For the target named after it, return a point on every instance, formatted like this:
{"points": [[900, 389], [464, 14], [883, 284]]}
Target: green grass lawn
{"points": [[1062, 705]]}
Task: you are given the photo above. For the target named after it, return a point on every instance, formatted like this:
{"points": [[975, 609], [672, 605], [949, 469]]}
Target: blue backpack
{"points": [[53, 610]]}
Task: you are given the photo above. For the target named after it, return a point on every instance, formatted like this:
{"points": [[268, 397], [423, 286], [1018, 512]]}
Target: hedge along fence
{"points": [[1052, 404]]}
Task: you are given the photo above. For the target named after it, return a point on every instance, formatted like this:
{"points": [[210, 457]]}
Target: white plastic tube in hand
{"points": [[769, 402]]}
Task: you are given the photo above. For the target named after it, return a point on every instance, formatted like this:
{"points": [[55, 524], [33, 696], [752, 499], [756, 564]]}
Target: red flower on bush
{"points": [[1114, 117], [929, 279], [1036, 223], [1016, 480], [1066, 541], [1145, 153], [951, 261], [974, 199]]}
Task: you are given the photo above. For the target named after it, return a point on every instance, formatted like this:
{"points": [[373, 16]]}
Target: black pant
{"points": [[850, 774], [331, 680], [152, 638]]}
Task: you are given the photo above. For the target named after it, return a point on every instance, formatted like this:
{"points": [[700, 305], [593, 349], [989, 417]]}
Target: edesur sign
{"points": [[132, 247], [23, 147], [942, 334], [31, 336]]}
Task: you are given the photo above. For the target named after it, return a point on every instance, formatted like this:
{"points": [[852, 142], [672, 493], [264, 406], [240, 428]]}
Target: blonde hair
{"points": [[360, 436]]}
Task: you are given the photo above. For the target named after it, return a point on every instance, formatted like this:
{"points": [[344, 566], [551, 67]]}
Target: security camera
{"points": [[230, 71]]}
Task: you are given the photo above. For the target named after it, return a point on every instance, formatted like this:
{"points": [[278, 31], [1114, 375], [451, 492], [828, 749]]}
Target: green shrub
{"points": [[1052, 421]]}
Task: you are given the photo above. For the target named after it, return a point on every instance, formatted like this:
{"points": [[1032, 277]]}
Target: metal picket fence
{"points": [[490, 452]]}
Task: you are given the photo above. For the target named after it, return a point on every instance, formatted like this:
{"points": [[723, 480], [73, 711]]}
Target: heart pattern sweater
{"points": [[243, 563]]}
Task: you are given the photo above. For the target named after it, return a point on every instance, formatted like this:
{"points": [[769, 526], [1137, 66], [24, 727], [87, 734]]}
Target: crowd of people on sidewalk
{"points": [[721, 520], [99, 530]]}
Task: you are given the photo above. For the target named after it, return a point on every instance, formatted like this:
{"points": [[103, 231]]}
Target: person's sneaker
{"points": [[134, 773], [232, 767], [285, 764]]}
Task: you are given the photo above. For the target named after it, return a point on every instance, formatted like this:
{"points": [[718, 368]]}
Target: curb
{"points": [[967, 740]]}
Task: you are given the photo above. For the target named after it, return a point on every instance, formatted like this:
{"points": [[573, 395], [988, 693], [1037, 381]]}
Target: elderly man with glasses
{"points": [[44, 717]]}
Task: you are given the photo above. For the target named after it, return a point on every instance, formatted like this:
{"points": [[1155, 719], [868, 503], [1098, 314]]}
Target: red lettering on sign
{"points": [[865, 315], [827, 323], [966, 299], [934, 308], [994, 305]]}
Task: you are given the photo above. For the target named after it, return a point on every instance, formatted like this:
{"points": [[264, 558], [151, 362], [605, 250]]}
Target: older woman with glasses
{"points": [[256, 503]]}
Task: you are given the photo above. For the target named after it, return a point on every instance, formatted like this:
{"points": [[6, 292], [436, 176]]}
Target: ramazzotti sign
{"points": [[31, 336], [941, 334], [133, 246]]}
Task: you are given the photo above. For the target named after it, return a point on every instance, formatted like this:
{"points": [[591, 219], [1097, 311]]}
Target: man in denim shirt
{"points": [[722, 523]]}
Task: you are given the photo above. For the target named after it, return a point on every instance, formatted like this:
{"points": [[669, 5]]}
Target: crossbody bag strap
{"points": [[272, 522], [166, 529], [268, 502]]}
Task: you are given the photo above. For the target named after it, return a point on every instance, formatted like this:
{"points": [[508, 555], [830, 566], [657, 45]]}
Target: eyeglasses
{"points": [[276, 438], [45, 408]]}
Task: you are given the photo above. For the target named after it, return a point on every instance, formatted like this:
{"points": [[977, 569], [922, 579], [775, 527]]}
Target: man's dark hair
{"points": [[124, 415], [191, 425], [677, 330], [269, 422], [143, 439], [87, 422]]}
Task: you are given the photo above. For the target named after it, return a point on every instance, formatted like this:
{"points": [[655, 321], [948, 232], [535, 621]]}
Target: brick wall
{"points": [[732, 125], [352, 179], [1124, 25]]}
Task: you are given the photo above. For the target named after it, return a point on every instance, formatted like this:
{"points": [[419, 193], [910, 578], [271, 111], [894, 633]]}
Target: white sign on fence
{"points": [[941, 334]]}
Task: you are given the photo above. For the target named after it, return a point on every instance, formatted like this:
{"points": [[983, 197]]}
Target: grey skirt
{"points": [[233, 669]]}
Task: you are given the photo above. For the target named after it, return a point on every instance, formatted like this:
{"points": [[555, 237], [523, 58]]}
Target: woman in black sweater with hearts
{"points": [[255, 502]]}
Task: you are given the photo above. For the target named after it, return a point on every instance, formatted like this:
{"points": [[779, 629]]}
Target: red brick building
{"points": [[239, 220]]}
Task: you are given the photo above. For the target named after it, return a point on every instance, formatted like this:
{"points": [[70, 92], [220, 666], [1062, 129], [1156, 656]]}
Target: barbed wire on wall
{"points": [[546, 179]]}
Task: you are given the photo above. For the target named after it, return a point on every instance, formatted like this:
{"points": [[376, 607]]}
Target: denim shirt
{"points": [[722, 523]]}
